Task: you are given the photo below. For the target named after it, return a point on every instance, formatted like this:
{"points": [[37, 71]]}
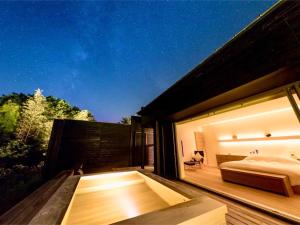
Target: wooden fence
{"points": [[94, 145]]}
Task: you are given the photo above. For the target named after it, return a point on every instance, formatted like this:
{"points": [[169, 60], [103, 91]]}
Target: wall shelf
{"points": [[263, 139]]}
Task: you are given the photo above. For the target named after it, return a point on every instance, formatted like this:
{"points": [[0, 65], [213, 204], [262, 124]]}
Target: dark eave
{"points": [[268, 44]]}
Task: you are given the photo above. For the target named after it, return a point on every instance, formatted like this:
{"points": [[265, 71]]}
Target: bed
{"points": [[276, 174]]}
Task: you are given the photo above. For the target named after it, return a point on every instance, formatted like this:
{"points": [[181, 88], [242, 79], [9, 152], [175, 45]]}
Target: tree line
{"points": [[26, 124]]}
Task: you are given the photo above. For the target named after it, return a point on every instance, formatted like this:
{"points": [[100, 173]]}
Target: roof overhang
{"points": [[266, 48]]}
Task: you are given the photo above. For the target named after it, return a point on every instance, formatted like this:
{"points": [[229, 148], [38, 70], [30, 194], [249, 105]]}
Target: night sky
{"points": [[112, 57]]}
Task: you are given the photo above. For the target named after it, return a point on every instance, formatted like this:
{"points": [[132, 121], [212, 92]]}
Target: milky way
{"points": [[112, 57]]}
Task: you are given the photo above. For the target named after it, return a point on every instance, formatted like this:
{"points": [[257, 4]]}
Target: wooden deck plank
{"points": [[243, 217], [54, 210], [235, 221], [25, 210], [192, 192]]}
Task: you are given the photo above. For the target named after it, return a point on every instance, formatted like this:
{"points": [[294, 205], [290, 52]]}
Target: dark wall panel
{"points": [[165, 150], [97, 146]]}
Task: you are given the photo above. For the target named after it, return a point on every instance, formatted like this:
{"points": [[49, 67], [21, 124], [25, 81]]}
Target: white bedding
{"points": [[269, 164]]}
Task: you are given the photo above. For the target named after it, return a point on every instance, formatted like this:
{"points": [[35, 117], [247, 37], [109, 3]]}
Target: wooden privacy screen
{"points": [[96, 145], [149, 147], [137, 157]]}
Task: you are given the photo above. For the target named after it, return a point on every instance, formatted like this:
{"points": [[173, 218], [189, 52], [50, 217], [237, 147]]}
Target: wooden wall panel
{"points": [[96, 145]]}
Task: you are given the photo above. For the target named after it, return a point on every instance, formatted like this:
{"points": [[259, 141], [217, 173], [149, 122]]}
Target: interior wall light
{"points": [[234, 137], [268, 134], [259, 142]]}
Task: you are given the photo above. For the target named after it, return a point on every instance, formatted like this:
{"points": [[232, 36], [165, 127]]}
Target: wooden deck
{"points": [[105, 205], [238, 214], [26, 211], [210, 178]]}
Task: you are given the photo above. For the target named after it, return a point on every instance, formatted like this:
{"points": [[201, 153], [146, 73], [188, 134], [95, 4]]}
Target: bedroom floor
{"points": [[210, 178]]}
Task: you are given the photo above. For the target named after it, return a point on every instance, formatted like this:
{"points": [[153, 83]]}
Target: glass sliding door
{"points": [[267, 128]]}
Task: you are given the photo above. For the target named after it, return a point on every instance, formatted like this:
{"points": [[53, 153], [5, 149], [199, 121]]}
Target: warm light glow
{"points": [[260, 142], [224, 138], [252, 116], [258, 137], [285, 133], [199, 129], [128, 206], [111, 197], [110, 186], [245, 136], [107, 175], [242, 136]]}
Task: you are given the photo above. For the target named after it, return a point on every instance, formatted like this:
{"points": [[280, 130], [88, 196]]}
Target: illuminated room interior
{"points": [[269, 129]]}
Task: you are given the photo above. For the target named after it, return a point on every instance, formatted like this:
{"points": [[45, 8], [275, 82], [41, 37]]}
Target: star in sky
{"points": [[112, 57]]}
